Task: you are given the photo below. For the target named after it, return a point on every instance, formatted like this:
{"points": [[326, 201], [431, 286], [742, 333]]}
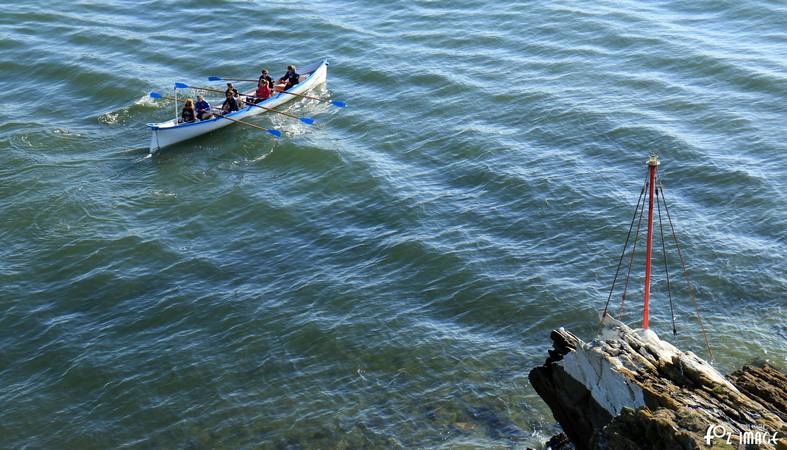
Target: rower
{"points": [[263, 91], [231, 88], [230, 104], [187, 114], [264, 76], [203, 108], [291, 77], [235, 93]]}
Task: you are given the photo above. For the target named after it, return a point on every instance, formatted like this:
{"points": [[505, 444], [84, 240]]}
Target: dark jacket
{"points": [[188, 115], [266, 78], [202, 105], [292, 78], [229, 105]]}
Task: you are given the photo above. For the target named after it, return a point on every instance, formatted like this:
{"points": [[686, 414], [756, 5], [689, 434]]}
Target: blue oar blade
{"points": [[307, 120], [339, 104], [276, 133], [181, 85], [215, 78], [155, 95]]}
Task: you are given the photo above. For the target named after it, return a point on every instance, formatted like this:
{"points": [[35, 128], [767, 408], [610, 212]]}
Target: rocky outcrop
{"points": [[766, 385], [630, 390]]}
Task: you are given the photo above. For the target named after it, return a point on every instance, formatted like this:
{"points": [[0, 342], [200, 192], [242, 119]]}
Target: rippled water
{"points": [[387, 278]]}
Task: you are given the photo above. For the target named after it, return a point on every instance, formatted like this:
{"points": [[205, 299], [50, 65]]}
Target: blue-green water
{"points": [[389, 278]]}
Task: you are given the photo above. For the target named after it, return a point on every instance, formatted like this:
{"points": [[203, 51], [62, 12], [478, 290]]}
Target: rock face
{"points": [[630, 390], [764, 384]]}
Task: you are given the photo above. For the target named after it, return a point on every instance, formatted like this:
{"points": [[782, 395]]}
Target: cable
{"points": [[633, 251], [625, 245], [686, 276], [666, 269]]}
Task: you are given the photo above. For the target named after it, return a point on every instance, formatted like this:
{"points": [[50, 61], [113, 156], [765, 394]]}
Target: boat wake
{"points": [[144, 158], [263, 156], [146, 100], [125, 114]]}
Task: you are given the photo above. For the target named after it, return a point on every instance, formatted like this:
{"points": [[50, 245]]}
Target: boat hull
{"points": [[165, 134]]}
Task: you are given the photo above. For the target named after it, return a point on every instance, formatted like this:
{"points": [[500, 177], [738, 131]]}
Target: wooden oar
{"points": [[306, 120], [302, 119], [230, 79], [271, 131], [276, 133], [333, 102], [186, 86], [157, 96]]}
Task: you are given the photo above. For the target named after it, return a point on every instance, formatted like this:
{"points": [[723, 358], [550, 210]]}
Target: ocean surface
{"points": [[388, 277]]}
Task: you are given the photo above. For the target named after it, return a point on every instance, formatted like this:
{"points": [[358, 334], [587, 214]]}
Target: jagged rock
{"points": [[560, 442], [630, 390], [764, 384], [642, 428], [571, 402]]}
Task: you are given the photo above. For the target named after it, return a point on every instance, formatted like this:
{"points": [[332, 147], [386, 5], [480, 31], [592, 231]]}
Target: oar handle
{"points": [[337, 103], [217, 90], [239, 79], [276, 133], [251, 104], [198, 88], [207, 89], [303, 119]]}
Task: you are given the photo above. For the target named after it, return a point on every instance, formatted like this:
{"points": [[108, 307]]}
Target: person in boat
{"points": [[235, 93], [230, 104], [231, 88], [188, 114], [291, 77], [265, 76], [203, 108], [263, 91]]}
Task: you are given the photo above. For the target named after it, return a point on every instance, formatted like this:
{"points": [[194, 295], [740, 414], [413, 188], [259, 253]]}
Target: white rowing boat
{"points": [[171, 132]]}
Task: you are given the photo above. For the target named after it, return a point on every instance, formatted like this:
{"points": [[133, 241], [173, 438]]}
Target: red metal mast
{"points": [[653, 163]]}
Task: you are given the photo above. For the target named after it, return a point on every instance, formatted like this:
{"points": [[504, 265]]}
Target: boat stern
{"points": [[154, 139]]}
